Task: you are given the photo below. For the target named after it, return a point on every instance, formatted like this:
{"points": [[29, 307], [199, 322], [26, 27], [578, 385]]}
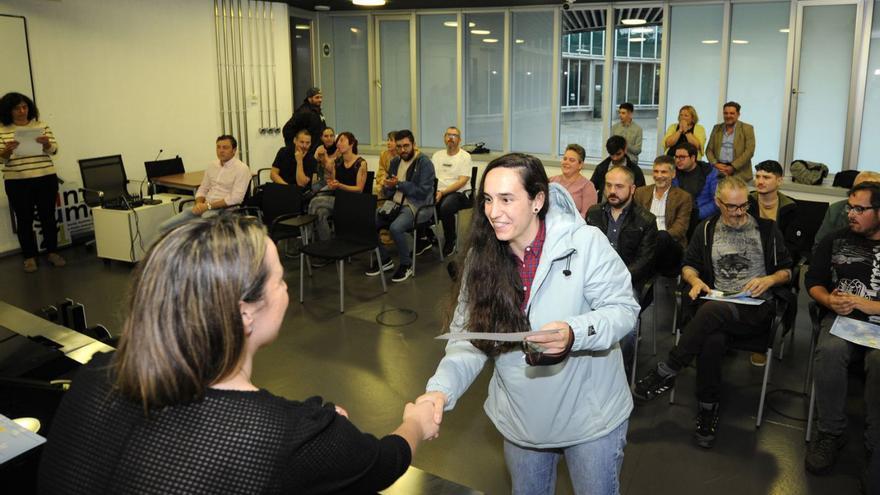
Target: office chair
{"points": [[103, 179]]}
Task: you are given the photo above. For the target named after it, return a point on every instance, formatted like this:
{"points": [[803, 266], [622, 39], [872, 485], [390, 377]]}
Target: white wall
{"points": [[132, 76]]}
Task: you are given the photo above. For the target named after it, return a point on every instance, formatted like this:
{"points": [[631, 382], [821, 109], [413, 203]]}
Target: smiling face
{"points": [[512, 214], [731, 115], [571, 164], [734, 204], [662, 175]]}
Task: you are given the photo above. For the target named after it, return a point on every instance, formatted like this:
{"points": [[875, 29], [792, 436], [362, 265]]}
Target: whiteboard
{"points": [[13, 39]]}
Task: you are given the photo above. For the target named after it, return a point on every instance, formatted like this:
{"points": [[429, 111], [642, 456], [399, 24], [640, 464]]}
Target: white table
{"points": [[125, 235]]}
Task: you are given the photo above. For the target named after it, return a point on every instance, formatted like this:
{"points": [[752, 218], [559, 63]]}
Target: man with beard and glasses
{"points": [[843, 278], [410, 184], [732, 253], [632, 231], [453, 169]]}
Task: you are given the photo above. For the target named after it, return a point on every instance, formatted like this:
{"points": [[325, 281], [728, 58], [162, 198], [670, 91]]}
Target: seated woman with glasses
{"points": [[175, 410]]}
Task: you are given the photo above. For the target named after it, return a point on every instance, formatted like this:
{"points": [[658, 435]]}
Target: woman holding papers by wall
{"points": [[533, 264], [175, 410], [26, 149]]}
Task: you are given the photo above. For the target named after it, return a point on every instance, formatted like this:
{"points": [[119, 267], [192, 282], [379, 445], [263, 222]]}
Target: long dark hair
{"points": [[493, 289], [12, 100]]}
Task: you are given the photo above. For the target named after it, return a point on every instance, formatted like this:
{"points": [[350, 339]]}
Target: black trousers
{"points": [[705, 339], [447, 208], [27, 195], [668, 254]]}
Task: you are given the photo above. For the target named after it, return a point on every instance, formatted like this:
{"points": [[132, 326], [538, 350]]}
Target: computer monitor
{"points": [[161, 168], [106, 174]]}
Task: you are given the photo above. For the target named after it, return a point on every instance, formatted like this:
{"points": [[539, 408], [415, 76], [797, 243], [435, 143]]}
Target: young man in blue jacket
{"points": [[415, 190], [699, 179]]}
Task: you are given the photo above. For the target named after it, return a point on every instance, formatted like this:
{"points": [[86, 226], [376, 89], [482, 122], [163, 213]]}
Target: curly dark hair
{"points": [[493, 289], [12, 100]]}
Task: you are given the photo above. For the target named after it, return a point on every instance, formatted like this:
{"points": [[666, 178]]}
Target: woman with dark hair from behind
{"points": [[174, 410], [533, 264], [30, 180]]}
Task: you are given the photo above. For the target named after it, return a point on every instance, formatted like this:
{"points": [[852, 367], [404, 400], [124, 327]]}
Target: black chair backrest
{"points": [[278, 199], [845, 178], [474, 180], [161, 168], [807, 223], [107, 174], [368, 185], [354, 217]]}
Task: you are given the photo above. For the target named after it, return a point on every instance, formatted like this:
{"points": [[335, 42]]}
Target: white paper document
{"points": [[501, 337], [27, 142], [738, 298], [15, 439], [857, 331]]}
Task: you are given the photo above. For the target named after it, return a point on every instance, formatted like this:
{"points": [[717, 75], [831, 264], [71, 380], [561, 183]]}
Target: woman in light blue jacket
{"points": [[533, 264]]}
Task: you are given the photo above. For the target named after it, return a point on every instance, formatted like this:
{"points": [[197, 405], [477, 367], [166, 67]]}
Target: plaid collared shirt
{"points": [[528, 266]]}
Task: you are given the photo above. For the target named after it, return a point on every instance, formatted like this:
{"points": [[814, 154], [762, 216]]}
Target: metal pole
{"points": [[263, 37], [226, 65], [245, 138], [234, 68], [219, 70], [259, 66], [276, 127]]}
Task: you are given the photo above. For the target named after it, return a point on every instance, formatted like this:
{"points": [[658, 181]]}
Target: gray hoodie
{"points": [[580, 280]]}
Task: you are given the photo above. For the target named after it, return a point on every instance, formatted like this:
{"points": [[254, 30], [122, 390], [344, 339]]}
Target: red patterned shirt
{"points": [[528, 266]]}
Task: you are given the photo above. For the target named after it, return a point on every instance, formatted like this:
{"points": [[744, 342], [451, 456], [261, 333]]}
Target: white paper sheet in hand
{"points": [[857, 331], [501, 337], [27, 142], [15, 439]]}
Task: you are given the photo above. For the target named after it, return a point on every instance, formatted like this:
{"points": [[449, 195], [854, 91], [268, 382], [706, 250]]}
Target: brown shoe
{"points": [[56, 260], [30, 265], [758, 359]]}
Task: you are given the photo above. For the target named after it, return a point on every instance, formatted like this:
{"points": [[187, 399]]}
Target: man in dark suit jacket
{"points": [[732, 145], [672, 207]]}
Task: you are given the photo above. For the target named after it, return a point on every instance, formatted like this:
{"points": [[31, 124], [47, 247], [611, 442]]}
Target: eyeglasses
{"points": [[403, 146], [735, 208], [449, 135], [680, 157], [858, 209]]}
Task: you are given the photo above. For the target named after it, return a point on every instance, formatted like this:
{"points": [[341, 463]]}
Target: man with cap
{"points": [[307, 116]]}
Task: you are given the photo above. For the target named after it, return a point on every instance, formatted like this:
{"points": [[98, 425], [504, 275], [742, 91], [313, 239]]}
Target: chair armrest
{"points": [[180, 204]]}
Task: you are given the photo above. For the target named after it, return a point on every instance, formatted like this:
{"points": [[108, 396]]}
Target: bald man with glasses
{"points": [[732, 252]]}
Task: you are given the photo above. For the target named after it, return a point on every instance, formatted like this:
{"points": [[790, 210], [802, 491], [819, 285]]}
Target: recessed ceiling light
{"points": [[528, 73], [740, 42], [322, 8], [480, 31], [472, 24], [709, 42], [355, 30], [450, 24], [784, 30], [302, 27], [633, 22], [877, 72], [636, 40], [494, 72], [641, 30], [490, 40], [520, 42], [369, 3]]}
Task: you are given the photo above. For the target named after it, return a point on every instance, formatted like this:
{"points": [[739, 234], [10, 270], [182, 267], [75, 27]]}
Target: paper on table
{"points": [[501, 337], [857, 331], [15, 439], [27, 142]]}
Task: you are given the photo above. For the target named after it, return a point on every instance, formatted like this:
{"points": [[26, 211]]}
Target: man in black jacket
{"points": [[632, 231], [307, 116], [616, 148], [731, 253]]}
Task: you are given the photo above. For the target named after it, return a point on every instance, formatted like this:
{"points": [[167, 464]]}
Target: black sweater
{"points": [[227, 442]]}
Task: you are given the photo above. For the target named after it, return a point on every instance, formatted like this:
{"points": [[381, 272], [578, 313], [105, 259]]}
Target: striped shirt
{"points": [[27, 167]]}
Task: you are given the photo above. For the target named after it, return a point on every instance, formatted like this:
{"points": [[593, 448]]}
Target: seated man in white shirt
{"points": [[224, 185], [453, 168]]}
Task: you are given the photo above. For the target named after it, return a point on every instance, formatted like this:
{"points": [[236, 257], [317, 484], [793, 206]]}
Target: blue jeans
{"points": [[594, 466], [184, 216], [398, 229]]}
